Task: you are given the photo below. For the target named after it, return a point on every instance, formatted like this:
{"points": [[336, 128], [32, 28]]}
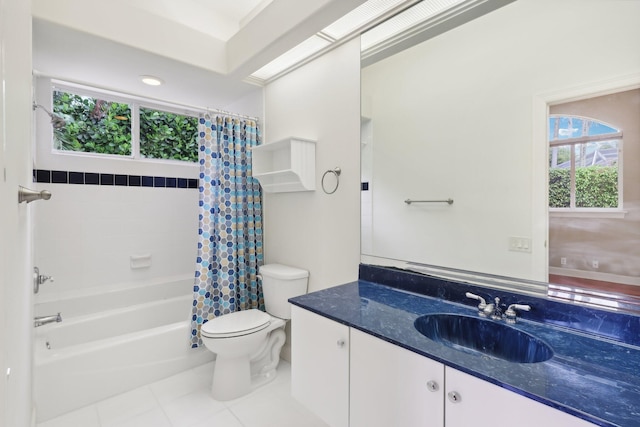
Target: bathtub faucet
{"points": [[43, 320]]}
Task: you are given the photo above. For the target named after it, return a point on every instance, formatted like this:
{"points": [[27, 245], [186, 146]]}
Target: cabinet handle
{"points": [[340, 343], [433, 386], [454, 397]]}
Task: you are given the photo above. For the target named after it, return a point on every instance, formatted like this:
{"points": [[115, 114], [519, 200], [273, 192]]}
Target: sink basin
{"points": [[484, 336]]}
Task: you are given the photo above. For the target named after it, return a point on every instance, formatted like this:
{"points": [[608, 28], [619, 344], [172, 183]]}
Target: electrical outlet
{"points": [[563, 261], [595, 263], [519, 244]]}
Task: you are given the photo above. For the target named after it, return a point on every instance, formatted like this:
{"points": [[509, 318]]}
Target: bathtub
{"points": [[111, 341]]}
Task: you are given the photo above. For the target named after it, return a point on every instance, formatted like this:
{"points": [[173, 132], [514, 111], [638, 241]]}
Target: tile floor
{"points": [[184, 401]]}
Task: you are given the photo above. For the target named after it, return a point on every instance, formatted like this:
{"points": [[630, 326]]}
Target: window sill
{"points": [[587, 213]]}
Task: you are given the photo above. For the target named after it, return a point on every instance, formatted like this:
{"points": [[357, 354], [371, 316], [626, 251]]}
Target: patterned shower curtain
{"points": [[230, 231]]}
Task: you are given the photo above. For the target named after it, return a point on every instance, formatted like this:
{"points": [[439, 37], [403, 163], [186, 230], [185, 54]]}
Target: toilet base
{"points": [[231, 378], [238, 376]]}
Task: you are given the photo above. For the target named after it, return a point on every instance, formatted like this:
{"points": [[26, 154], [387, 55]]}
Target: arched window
{"points": [[585, 158]]}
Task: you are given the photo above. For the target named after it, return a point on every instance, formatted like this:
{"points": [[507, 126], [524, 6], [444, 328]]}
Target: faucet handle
{"points": [[483, 303], [39, 279], [510, 315], [482, 306]]}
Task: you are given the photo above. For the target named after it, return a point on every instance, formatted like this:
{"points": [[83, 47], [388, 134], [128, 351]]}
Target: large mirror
{"points": [[459, 131]]}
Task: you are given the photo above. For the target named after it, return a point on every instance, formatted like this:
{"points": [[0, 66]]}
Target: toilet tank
{"points": [[279, 283]]}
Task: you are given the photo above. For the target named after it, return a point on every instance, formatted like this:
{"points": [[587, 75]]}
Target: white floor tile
{"points": [[154, 418], [84, 417], [274, 408], [184, 400], [125, 406], [176, 386], [187, 410], [221, 419]]}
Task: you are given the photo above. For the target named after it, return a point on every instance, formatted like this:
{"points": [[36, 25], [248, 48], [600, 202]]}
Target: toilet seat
{"points": [[235, 324]]}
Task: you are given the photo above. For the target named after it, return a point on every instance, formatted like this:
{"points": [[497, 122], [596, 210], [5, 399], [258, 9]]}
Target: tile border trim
{"points": [[110, 179]]}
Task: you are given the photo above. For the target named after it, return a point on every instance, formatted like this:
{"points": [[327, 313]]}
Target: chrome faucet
{"points": [[484, 309], [496, 313], [494, 310], [510, 314], [43, 320]]}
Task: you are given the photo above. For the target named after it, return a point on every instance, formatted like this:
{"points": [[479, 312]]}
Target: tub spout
{"points": [[43, 320]]}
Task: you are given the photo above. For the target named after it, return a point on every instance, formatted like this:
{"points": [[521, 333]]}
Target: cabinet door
{"points": [[392, 386], [481, 404], [320, 366]]}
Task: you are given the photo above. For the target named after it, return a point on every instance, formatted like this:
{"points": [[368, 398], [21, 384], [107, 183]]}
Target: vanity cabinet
{"points": [[391, 386], [320, 366], [350, 378], [479, 403]]}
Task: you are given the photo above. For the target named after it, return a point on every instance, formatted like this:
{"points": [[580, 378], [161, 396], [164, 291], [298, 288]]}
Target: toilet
{"points": [[247, 343]]}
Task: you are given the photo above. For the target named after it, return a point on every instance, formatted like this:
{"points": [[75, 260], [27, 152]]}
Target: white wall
{"points": [[312, 230], [85, 235], [453, 118], [16, 309]]}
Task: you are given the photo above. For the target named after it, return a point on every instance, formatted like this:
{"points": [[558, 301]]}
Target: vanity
{"points": [[361, 356], [455, 152]]}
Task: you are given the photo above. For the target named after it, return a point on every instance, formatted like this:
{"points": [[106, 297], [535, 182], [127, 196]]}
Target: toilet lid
{"points": [[235, 324]]}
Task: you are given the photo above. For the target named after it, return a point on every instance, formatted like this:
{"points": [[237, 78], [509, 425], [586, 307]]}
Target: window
{"points": [[102, 126], [584, 164], [92, 125], [165, 135]]}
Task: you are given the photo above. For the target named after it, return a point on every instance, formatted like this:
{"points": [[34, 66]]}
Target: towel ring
{"points": [[336, 171]]}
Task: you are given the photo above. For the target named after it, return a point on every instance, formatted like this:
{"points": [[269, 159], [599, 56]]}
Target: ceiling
{"points": [[202, 49], [220, 19], [207, 51]]}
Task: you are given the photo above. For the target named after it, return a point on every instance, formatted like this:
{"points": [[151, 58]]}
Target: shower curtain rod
{"points": [[229, 113], [176, 105]]}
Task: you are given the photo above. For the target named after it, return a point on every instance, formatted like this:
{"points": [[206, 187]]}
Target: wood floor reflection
{"points": [[578, 282]]}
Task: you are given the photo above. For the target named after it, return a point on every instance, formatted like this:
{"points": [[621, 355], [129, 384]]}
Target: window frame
{"points": [[135, 103], [589, 212]]}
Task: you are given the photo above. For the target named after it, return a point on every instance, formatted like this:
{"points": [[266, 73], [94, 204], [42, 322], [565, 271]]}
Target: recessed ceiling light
{"points": [[151, 80]]}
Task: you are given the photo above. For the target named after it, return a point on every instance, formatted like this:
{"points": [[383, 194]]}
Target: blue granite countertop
{"points": [[591, 377]]}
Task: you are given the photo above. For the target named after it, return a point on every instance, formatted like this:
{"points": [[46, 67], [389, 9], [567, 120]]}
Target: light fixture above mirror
{"points": [[383, 24]]}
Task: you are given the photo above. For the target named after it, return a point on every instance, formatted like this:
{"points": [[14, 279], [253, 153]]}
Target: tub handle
{"points": [[28, 195], [39, 279]]}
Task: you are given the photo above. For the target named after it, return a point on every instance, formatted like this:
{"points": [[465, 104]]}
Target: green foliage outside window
{"points": [[168, 136], [99, 126], [596, 187], [92, 125], [559, 188]]}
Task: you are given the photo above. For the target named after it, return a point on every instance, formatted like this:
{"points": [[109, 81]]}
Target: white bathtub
{"points": [[142, 336]]}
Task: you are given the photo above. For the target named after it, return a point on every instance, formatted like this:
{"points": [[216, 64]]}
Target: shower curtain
{"points": [[230, 230]]}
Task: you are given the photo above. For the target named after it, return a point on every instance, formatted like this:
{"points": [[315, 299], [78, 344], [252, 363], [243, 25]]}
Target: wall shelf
{"points": [[285, 166]]}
